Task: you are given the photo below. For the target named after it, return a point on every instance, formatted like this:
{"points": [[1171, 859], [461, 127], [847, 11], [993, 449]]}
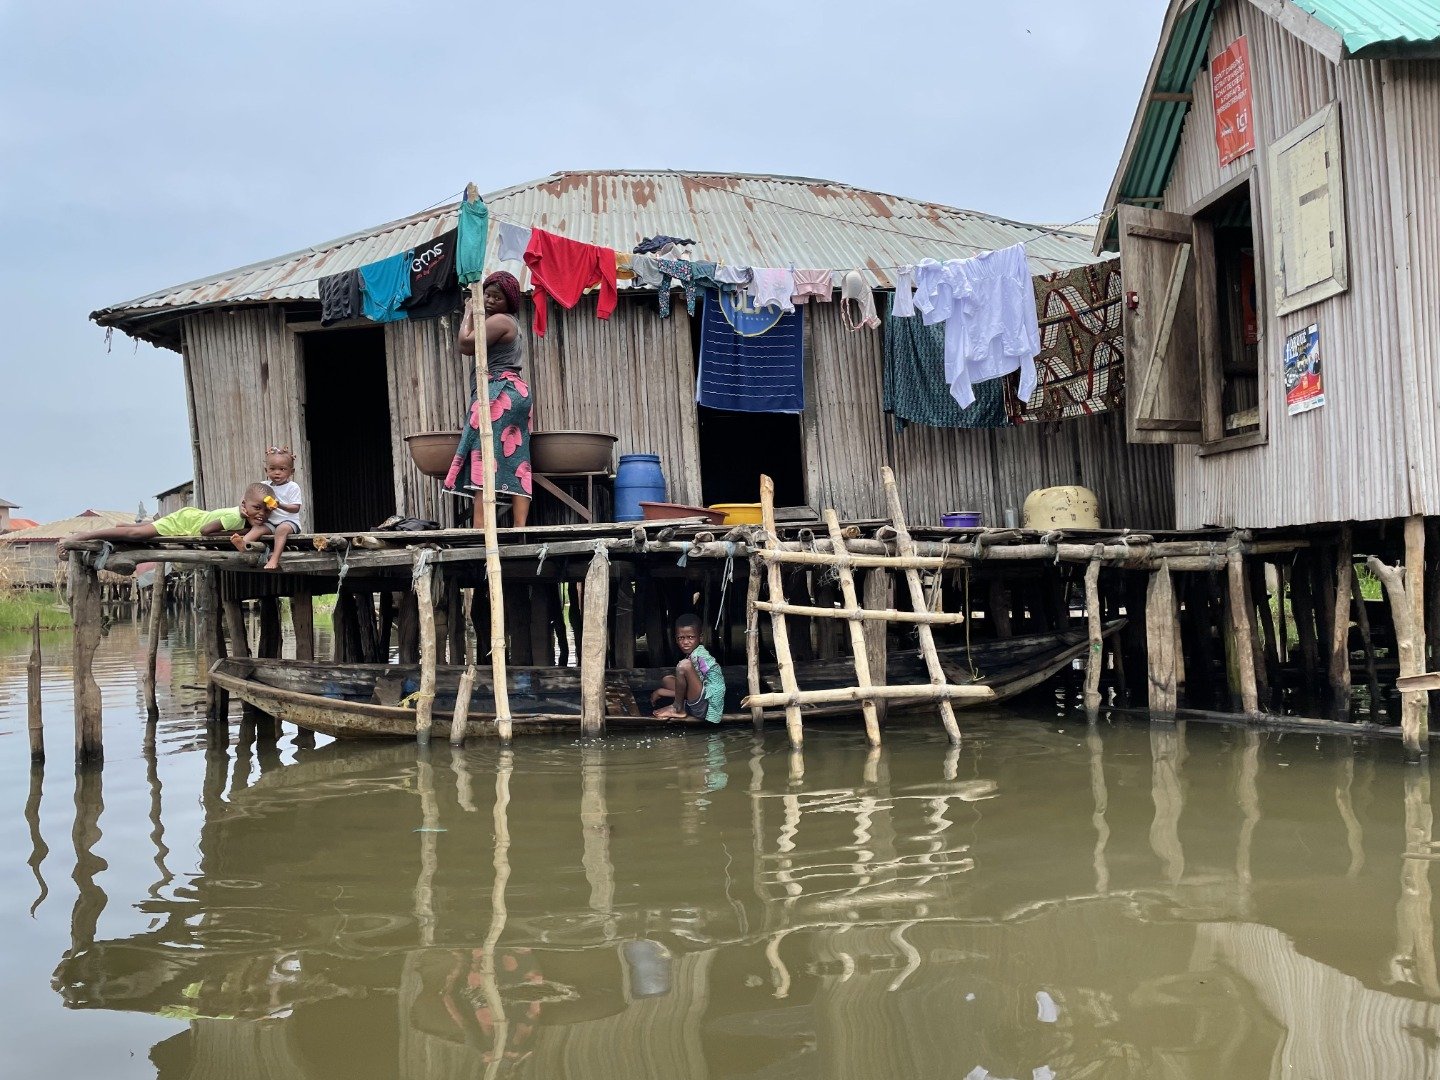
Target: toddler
{"points": [[283, 520]]}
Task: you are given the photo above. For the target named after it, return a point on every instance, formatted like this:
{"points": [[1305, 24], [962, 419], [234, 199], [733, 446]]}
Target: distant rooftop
{"points": [[52, 531]]}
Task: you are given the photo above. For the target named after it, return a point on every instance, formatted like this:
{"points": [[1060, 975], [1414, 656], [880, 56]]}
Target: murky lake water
{"points": [[1051, 899]]}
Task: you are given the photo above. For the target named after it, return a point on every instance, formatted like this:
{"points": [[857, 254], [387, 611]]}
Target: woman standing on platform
{"points": [[509, 398]]}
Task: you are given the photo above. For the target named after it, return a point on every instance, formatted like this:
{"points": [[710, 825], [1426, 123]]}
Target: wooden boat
{"points": [[371, 701]]}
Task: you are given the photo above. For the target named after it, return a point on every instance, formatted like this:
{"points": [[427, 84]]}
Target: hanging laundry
{"points": [[733, 279], [987, 304], [474, 230], [656, 245], [1080, 369], [385, 286], [856, 298], [647, 271], [750, 373], [511, 240], [681, 270], [704, 274], [915, 388], [904, 291], [816, 283], [562, 270], [434, 289], [772, 286], [340, 297], [622, 267]]}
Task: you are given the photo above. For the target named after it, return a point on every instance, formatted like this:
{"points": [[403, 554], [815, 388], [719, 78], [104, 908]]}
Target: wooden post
{"points": [[407, 629], [593, 641], [239, 638], [1095, 658], [462, 706], [752, 636], [487, 501], [1241, 629], [458, 646], [33, 702], [1415, 587], [624, 622], [997, 613], [858, 645], [917, 601], [270, 638], [542, 645], [210, 638], [878, 591], [424, 578], [1260, 597], [152, 639], [1302, 606], [302, 622], [1414, 722], [1340, 637], [1362, 621], [781, 635], [85, 614], [1160, 640]]}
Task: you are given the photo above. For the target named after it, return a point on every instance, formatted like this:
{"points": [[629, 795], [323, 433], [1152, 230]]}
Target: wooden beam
{"points": [[1340, 627], [858, 614], [152, 640], [302, 622], [879, 592], [1160, 641], [1095, 658], [858, 646], [593, 641], [33, 703], [425, 603], [1414, 722], [752, 640], [781, 635], [942, 693], [85, 614]]}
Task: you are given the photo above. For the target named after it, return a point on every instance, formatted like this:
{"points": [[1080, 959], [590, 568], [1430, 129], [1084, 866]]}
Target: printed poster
{"points": [[1234, 115], [1304, 389]]}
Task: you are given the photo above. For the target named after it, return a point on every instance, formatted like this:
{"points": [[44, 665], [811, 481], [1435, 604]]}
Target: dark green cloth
{"points": [[915, 390], [470, 247]]}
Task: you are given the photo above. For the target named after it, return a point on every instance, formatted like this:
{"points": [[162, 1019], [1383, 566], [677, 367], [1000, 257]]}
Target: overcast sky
{"points": [[146, 144]]}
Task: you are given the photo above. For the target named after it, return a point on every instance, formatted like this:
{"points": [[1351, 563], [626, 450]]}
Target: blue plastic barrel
{"points": [[638, 479]]}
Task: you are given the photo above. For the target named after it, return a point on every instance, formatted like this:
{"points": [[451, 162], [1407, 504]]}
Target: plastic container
{"points": [[638, 479], [663, 511], [961, 519], [433, 451], [571, 451], [739, 513]]}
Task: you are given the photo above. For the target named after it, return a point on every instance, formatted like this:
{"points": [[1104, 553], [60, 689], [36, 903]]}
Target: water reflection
{"points": [[1096, 900]]}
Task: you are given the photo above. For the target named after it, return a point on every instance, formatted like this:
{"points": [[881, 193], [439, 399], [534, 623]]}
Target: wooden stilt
{"points": [[408, 629], [624, 647], [462, 706], [1415, 587], [236, 634], [1362, 621], [752, 637], [1095, 658], [1414, 723], [1160, 639], [998, 611], [1260, 595], [917, 600], [827, 637], [386, 622], [270, 638], [85, 614], [542, 648], [33, 700], [781, 635], [858, 645], [425, 602], [1242, 630], [878, 592], [1302, 605], [302, 623], [1340, 636], [1282, 619], [457, 647], [592, 643], [152, 639], [210, 642]]}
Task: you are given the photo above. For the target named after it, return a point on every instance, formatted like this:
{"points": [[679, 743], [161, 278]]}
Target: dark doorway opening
{"points": [[347, 424]]}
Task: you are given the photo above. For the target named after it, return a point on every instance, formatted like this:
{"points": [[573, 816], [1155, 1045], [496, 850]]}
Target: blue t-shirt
{"points": [[384, 286]]}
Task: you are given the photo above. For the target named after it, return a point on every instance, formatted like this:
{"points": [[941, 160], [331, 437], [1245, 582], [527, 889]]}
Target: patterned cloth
{"points": [[1081, 364], [915, 390], [510, 422], [684, 271], [712, 683]]}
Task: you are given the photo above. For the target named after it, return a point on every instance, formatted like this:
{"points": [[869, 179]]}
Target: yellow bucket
{"points": [[738, 513]]}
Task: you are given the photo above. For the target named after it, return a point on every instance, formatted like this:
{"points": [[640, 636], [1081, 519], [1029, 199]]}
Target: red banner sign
{"points": [[1234, 115]]}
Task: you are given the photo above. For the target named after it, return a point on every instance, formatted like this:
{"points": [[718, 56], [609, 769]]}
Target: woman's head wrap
{"points": [[506, 283]]}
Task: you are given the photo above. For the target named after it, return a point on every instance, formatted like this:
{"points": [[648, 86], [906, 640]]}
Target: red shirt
{"points": [[563, 269]]}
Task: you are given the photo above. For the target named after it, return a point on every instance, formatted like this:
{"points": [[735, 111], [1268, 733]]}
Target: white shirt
{"points": [[772, 285], [511, 241], [288, 492], [904, 292]]}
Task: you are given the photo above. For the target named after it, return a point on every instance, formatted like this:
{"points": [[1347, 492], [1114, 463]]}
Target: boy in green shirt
{"points": [[188, 521], [697, 689]]}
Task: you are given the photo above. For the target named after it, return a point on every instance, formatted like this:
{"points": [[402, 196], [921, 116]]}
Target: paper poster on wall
{"points": [[1303, 387], [1234, 115]]}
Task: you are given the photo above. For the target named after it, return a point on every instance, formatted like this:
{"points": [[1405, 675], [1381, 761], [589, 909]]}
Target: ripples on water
{"points": [[1051, 899]]}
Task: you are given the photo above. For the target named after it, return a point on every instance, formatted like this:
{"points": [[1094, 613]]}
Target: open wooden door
{"points": [[1162, 377]]}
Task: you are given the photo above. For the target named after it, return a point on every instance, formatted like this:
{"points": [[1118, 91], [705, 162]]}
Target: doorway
{"points": [[347, 424]]}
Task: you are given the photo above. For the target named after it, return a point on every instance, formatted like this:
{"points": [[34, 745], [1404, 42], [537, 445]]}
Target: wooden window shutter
{"points": [[1162, 367], [1307, 195]]}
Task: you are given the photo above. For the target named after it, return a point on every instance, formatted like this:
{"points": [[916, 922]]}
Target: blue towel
{"points": [[384, 286], [762, 372]]}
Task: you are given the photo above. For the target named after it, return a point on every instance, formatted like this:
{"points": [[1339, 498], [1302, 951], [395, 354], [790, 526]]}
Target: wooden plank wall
{"points": [[245, 395], [429, 390], [1347, 459]]}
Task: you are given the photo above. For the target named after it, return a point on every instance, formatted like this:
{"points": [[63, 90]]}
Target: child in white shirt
{"points": [[284, 504]]}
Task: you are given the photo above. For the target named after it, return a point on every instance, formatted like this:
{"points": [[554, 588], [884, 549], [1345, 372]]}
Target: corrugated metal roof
{"points": [[56, 530], [1383, 24], [16, 524], [739, 219], [9, 505]]}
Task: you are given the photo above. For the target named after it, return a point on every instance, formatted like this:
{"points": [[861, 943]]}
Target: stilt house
{"points": [[259, 369]]}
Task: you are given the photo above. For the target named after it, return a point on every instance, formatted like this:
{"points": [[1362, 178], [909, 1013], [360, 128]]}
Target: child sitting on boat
{"points": [[187, 521], [283, 503], [697, 689]]}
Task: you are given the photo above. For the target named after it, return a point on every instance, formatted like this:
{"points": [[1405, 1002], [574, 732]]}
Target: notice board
{"points": [[1234, 115]]}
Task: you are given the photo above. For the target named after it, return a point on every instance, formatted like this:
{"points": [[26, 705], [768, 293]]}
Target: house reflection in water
{"points": [[1118, 901]]}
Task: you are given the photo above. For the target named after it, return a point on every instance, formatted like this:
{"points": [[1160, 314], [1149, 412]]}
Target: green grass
{"points": [[18, 608]]}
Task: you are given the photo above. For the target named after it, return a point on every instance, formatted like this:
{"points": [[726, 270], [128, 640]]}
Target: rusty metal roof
{"points": [[735, 218], [57, 530]]}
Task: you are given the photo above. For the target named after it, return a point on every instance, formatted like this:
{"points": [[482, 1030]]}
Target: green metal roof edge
{"points": [[1392, 27]]}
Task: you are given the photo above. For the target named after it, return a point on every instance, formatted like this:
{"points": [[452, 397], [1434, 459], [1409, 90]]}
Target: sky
{"points": [[147, 144]]}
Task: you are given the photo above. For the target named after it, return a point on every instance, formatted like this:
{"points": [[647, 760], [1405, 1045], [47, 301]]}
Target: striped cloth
{"points": [[763, 372], [915, 389]]}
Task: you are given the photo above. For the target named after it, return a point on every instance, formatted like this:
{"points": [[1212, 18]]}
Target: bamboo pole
{"points": [[878, 592], [917, 601], [593, 641], [1340, 636], [1096, 656], [492, 540], [752, 640], [85, 615], [776, 581], [858, 644], [859, 614], [425, 700], [33, 701], [152, 639], [1160, 641], [943, 694], [1414, 723], [462, 706], [1243, 632]]}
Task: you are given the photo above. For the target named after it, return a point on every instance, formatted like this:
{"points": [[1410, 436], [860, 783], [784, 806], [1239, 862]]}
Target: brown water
{"points": [[1051, 899]]}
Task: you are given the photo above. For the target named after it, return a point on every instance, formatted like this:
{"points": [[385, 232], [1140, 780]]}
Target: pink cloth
{"points": [[814, 283]]}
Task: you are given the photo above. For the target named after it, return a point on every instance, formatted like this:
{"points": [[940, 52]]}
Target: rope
{"points": [[544, 550], [725, 579]]}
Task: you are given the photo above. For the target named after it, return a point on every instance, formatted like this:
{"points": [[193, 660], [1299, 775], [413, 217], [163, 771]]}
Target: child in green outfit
{"points": [[188, 521], [697, 689]]}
